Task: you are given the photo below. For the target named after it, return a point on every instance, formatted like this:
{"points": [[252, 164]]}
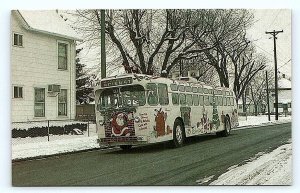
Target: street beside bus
{"points": [[201, 157]]}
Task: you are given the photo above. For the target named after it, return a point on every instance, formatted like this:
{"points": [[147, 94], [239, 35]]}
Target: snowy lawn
{"points": [[261, 119], [40, 146]]}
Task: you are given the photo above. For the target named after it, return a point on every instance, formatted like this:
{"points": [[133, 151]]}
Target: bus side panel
{"points": [[156, 123]]}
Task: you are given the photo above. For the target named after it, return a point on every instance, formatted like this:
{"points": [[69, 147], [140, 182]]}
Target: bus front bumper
{"points": [[123, 140]]}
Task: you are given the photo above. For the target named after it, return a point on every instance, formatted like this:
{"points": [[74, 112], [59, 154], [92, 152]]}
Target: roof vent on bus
{"points": [[188, 79], [194, 73]]}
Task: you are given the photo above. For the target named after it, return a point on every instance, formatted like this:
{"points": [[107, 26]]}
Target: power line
{"points": [[284, 64], [275, 17], [267, 51]]}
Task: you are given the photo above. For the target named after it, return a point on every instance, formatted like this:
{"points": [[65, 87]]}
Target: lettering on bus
{"points": [[116, 82], [144, 121]]}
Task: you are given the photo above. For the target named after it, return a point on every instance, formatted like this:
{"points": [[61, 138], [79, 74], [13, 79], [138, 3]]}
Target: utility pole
{"points": [[274, 34], [103, 54], [268, 102]]}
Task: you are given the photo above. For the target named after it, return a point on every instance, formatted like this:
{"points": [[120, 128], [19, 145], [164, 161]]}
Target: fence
{"points": [[43, 131]]}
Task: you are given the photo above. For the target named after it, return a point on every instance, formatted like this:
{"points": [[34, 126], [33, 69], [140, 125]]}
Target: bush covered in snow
{"points": [[40, 131]]}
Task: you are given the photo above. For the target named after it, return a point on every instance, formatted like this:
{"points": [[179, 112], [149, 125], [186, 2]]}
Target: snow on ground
{"points": [[261, 119], [43, 148], [273, 168], [40, 146]]}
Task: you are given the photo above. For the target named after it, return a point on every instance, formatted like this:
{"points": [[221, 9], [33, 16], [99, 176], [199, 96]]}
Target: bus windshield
{"points": [[133, 95]]}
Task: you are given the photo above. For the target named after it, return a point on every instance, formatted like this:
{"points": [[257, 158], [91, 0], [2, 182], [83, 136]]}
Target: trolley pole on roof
{"points": [[103, 54], [274, 34]]}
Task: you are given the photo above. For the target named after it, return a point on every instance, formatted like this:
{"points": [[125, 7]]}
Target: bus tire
{"points": [[125, 147], [178, 133], [227, 128]]}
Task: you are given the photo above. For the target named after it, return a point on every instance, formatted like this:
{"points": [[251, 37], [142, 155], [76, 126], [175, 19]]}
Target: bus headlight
{"points": [[137, 119], [101, 122]]}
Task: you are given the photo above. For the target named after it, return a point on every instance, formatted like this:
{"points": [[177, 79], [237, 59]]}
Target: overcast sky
{"points": [[269, 20]]}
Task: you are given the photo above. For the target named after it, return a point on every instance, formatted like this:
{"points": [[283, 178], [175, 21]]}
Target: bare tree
{"points": [[148, 40], [257, 94], [227, 29], [246, 66], [157, 41]]}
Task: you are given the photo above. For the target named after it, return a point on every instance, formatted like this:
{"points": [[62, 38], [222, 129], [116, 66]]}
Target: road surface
{"points": [[152, 165]]}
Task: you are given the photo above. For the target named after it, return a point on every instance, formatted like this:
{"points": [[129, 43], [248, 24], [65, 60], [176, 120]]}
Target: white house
{"points": [[42, 66], [284, 94]]}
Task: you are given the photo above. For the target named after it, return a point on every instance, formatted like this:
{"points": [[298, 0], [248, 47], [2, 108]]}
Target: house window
{"points": [[62, 102], [39, 102], [62, 56], [18, 92], [18, 40]]}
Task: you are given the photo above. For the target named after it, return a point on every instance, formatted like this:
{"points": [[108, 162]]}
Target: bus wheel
{"points": [[125, 147], [178, 133], [227, 128]]}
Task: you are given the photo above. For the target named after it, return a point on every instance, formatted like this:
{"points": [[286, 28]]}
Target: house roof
{"points": [[49, 22], [284, 83]]}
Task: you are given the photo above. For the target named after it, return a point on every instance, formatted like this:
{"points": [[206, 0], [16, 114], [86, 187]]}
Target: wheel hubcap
{"points": [[179, 134], [227, 126]]}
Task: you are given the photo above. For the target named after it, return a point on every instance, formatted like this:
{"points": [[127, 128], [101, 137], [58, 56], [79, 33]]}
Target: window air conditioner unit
{"points": [[53, 88]]}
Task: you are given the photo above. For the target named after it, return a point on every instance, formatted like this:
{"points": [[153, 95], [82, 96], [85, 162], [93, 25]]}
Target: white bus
{"points": [[136, 109]]}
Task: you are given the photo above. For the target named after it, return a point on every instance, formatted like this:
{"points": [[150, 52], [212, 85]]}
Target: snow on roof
{"points": [[50, 22], [284, 83]]}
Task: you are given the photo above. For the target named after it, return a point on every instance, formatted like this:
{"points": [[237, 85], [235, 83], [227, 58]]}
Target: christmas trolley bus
{"points": [[136, 109]]}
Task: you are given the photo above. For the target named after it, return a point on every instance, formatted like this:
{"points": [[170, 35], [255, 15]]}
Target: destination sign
{"points": [[116, 82]]}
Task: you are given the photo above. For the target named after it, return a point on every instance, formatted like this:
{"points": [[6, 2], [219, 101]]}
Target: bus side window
{"points": [[201, 100], [189, 99], [228, 101], [195, 100], [182, 99], [232, 101], [220, 101], [224, 101], [206, 100], [138, 98], [152, 94], [211, 100], [175, 98], [163, 94]]}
